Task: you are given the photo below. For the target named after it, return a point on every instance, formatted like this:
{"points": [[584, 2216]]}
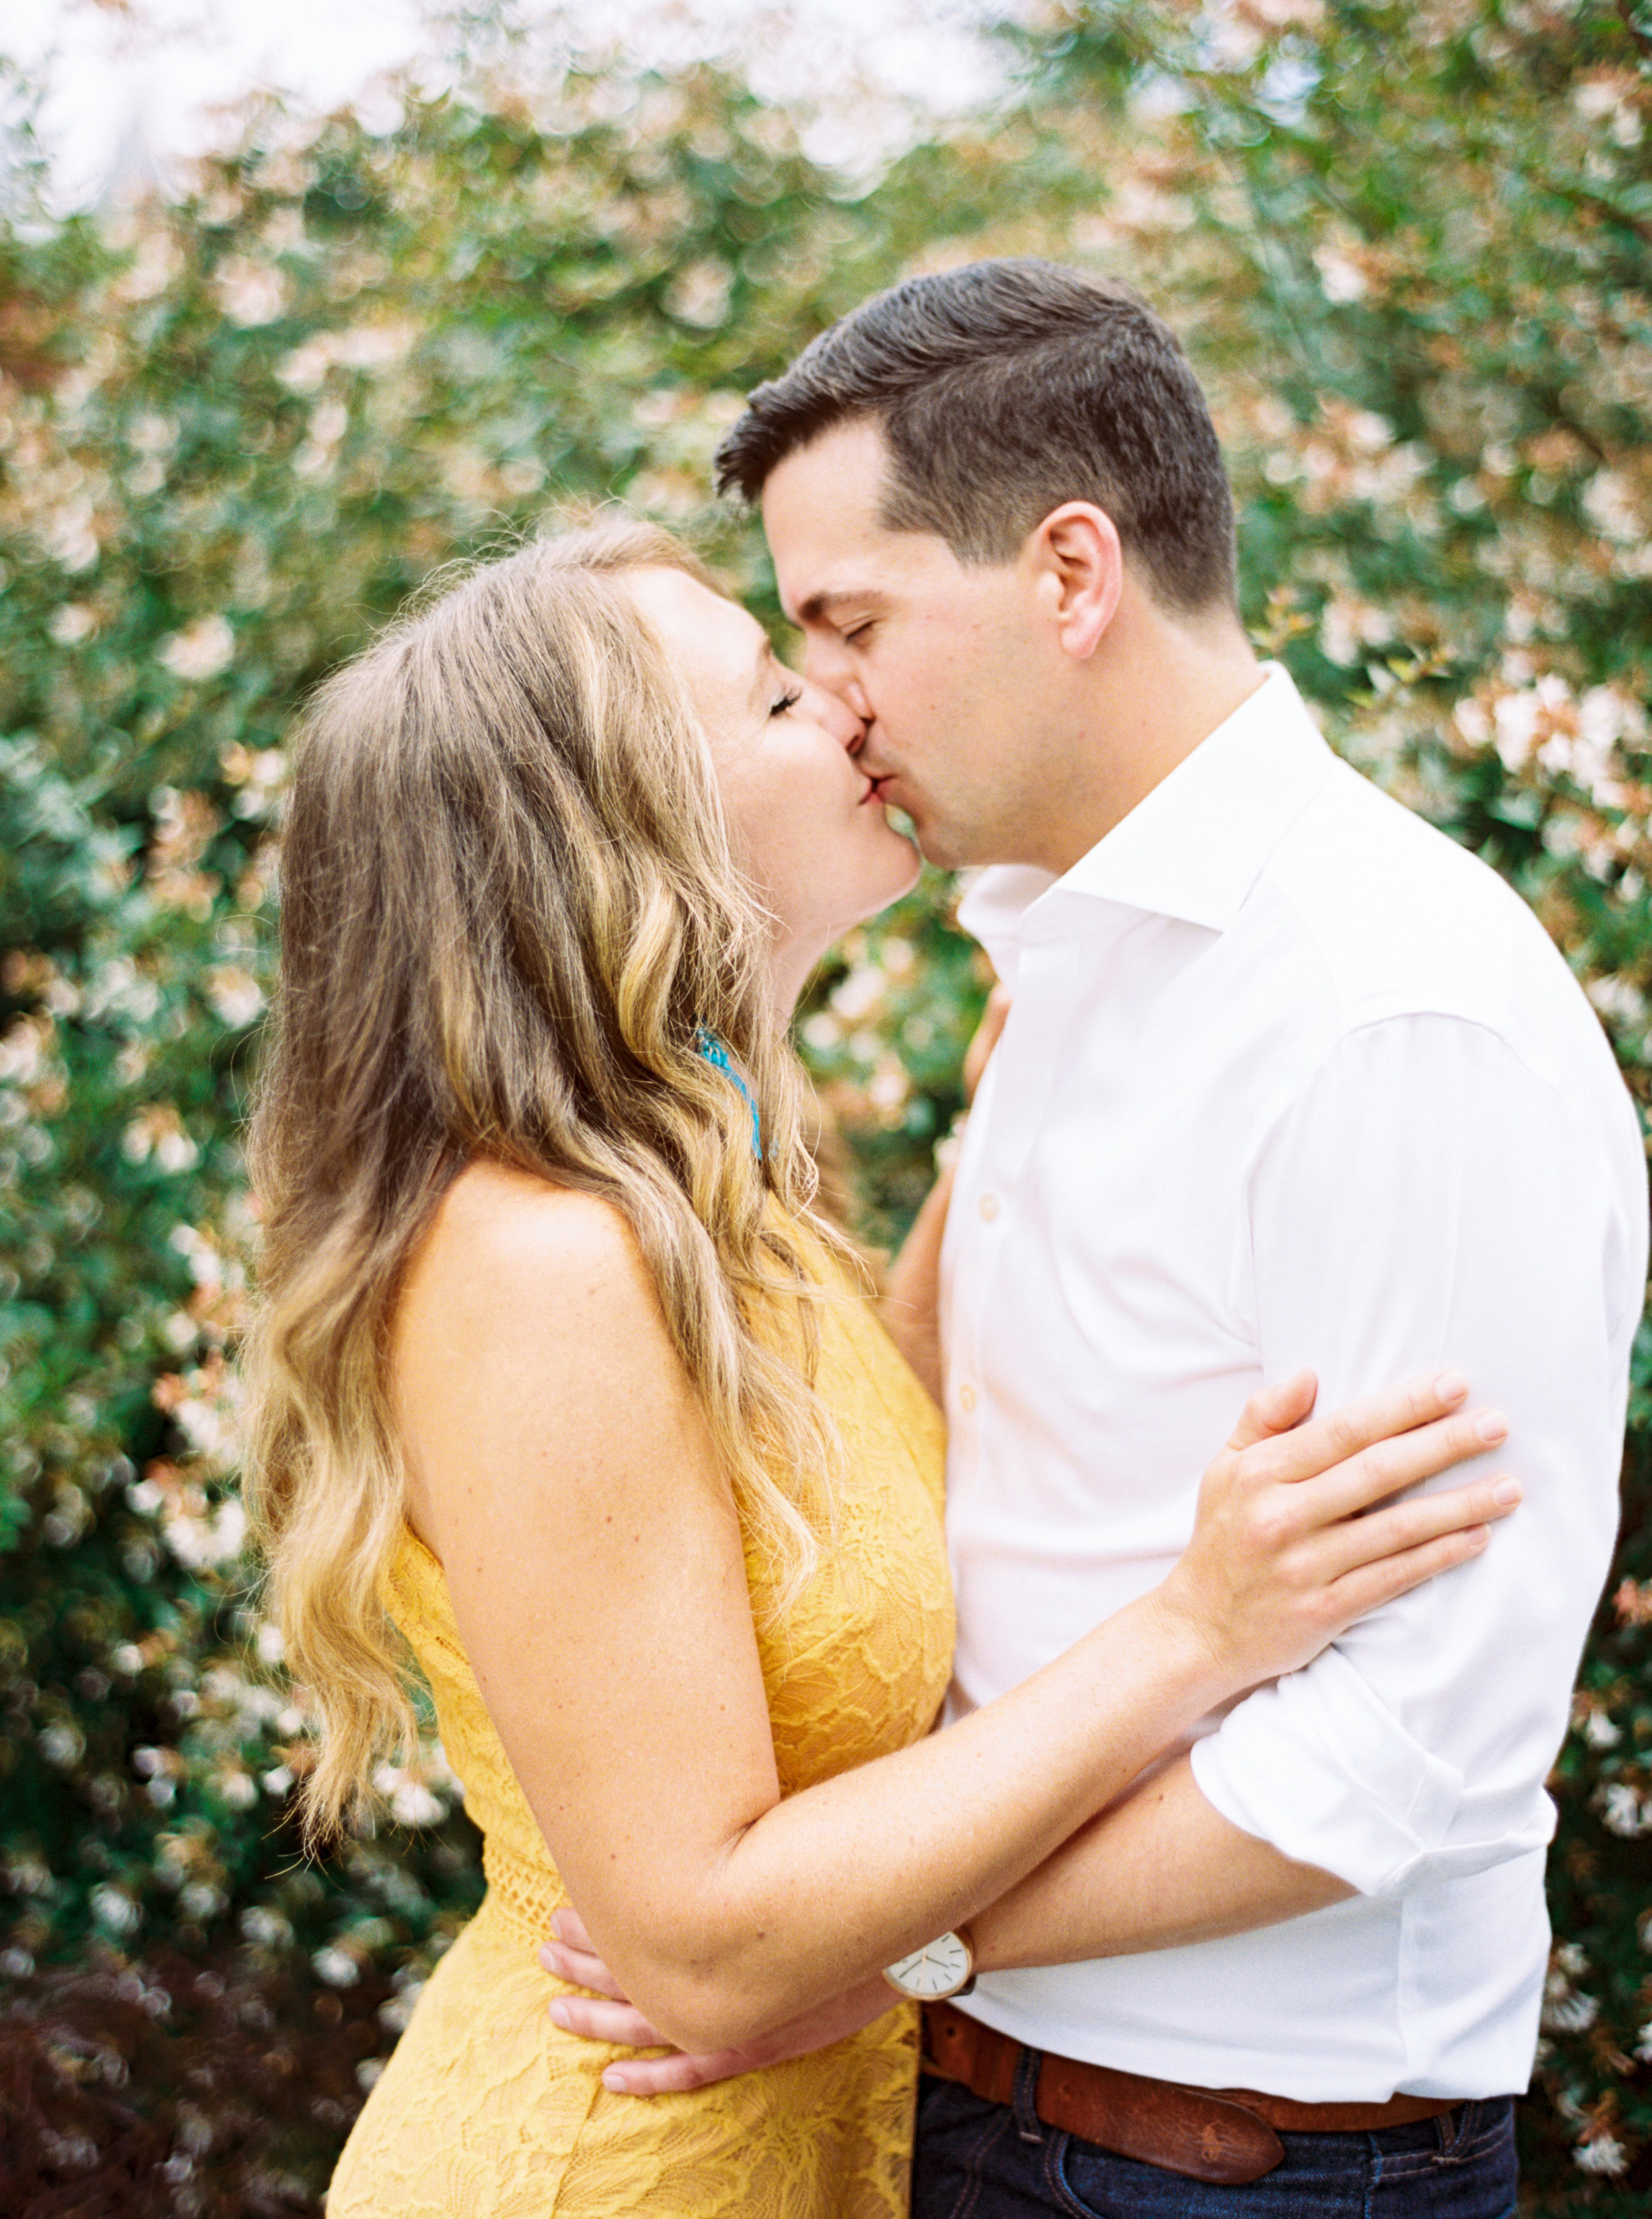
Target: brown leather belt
{"points": [[1225, 2135]]}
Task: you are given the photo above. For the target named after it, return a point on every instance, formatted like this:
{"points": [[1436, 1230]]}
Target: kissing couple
{"points": [[1151, 1821]]}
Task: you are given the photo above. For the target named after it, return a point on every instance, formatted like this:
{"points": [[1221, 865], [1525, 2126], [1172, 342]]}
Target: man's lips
{"points": [[877, 789]]}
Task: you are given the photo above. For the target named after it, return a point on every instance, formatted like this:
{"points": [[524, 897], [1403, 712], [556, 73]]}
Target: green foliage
{"points": [[1409, 250]]}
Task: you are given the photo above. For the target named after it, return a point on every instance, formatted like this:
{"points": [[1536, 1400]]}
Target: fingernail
{"points": [[1506, 1491], [1450, 1386], [556, 1926], [614, 2080], [559, 2013], [546, 1957], [1478, 1538], [1491, 1426]]}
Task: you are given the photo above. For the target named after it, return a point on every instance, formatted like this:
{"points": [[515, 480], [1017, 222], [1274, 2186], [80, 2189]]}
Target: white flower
{"points": [[365, 346], [199, 1541], [1605, 715], [1522, 718], [1349, 626], [250, 293], [698, 295], [859, 992], [413, 1804], [1565, 2009], [1470, 718], [265, 1929], [888, 1086], [69, 535], [1340, 277], [305, 369], [394, 2014], [62, 1744], [70, 622], [152, 268], [149, 434], [337, 1967], [1619, 1000], [235, 994], [1603, 2154], [1610, 505], [114, 1908], [200, 650], [1623, 1813]]}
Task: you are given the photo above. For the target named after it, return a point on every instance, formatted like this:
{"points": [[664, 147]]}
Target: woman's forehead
{"points": [[695, 616]]}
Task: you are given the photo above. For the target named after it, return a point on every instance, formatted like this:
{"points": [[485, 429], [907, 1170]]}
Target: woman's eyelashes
{"points": [[787, 700]]}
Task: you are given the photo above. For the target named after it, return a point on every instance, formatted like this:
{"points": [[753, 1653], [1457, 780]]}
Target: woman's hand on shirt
{"points": [[1298, 1534]]}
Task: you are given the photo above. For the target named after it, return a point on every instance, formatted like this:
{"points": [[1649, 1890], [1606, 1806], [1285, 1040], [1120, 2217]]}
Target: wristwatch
{"points": [[943, 1968]]}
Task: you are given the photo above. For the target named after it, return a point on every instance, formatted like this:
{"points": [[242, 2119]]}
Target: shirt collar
{"points": [[1195, 845]]}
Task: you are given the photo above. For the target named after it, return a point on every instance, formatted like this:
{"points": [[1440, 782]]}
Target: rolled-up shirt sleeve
{"points": [[1427, 1198]]}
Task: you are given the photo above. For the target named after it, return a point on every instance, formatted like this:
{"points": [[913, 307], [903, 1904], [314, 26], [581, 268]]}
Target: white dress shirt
{"points": [[1290, 1079]]}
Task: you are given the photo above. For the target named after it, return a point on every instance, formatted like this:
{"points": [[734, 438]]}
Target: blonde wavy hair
{"points": [[508, 906]]}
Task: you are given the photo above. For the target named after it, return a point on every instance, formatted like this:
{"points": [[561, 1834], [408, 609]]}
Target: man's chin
{"points": [[936, 844]]}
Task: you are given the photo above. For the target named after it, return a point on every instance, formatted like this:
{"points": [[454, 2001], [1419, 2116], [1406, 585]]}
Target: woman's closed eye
{"points": [[787, 700]]}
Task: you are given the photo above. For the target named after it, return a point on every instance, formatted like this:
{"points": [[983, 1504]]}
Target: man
{"points": [[1287, 1078]]}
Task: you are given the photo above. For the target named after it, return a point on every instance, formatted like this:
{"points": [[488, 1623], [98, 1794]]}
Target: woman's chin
{"points": [[905, 868]]}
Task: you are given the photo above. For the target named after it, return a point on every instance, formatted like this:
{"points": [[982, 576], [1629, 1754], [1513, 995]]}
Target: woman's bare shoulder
{"points": [[509, 1254], [512, 1216]]}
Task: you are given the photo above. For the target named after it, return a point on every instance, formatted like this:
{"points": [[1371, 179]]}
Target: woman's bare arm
{"points": [[561, 1471], [1159, 1869]]}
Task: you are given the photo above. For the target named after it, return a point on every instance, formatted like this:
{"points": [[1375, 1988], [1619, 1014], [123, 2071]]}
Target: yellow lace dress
{"points": [[486, 2111]]}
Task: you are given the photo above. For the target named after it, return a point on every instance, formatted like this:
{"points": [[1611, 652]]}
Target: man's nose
{"points": [[827, 667], [846, 724]]}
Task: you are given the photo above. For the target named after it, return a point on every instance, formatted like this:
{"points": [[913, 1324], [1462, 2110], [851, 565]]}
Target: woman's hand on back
{"points": [[1290, 1546]]}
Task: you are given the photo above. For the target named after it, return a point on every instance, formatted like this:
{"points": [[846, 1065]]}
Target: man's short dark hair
{"points": [[1004, 388]]}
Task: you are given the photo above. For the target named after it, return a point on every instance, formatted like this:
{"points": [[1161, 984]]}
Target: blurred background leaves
{"points": [[1410, 249]]}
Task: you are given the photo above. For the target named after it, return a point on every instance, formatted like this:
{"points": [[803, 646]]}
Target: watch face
{"points": [[938, 1970]]}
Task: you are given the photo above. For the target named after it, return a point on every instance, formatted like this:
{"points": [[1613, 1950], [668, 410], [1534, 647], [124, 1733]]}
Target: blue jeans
{"points": [[981, 2161]]}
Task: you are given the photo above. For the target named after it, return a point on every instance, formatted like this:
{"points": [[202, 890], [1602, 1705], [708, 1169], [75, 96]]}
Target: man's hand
{"points": [[571, 1957]]}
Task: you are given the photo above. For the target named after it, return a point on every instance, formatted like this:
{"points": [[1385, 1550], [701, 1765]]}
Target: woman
{"points": [[560, 1374]]}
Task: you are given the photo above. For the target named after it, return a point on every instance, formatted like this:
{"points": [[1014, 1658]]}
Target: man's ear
{"points": [[1078, 567]]}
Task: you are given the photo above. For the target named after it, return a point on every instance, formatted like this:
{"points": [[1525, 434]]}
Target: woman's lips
{"points": [[874, 790]]}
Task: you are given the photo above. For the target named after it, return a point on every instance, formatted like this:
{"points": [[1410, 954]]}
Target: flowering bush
{"points": [[1408, 250]]}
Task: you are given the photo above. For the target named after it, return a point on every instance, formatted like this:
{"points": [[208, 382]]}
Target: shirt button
{"points": [[966, 1398], [988, 1206]]}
